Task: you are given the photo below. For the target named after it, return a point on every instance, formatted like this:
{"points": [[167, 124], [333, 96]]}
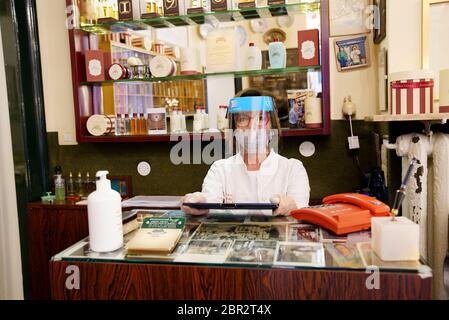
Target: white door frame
{"points": [[11, 280]]}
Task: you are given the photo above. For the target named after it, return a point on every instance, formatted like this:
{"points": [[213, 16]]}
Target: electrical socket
{"points": [[354, 143]]}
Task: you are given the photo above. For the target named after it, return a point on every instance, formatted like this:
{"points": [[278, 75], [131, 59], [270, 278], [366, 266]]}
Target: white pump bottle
{"points": [[104, 211]]}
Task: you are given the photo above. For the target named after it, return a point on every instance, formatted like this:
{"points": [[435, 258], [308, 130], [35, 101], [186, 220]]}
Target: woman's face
{"points": [[253, 120]]}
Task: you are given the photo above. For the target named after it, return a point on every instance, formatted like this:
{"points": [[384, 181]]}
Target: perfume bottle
{"points": [[277, 54], [118, 122], [127, 125], [59, 188]]}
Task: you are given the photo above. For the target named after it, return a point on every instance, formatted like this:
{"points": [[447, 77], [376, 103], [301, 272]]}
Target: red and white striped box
{"points": [[411, 92]]}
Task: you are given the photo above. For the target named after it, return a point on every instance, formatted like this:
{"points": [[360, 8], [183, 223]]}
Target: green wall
{"points": [[331, 170]]}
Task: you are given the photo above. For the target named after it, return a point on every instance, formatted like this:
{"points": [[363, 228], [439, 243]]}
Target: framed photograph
{"points": [[122, 184], [352, 53], [300, 254], [157, 121], [258, 252], [380, 21], [296, 103]]}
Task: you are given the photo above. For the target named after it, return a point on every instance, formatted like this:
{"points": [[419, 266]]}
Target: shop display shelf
{"points": [[201, 18], [249, 73], [408, 117]]}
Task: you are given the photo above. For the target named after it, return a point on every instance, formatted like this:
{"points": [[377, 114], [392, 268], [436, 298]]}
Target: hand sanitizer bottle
{"points": [[253, 58], [104, 211], [277, 54]]}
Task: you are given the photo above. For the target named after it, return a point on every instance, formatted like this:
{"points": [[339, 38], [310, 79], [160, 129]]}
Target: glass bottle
{"points": [[118, 120], [134, 124], [143, 124], [127, 125], [59, 188], [80, 186], [71, 188], [57, 170]]}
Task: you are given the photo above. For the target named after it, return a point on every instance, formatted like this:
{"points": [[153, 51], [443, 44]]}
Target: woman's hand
{"points": [[285, 204], [193, 198]]}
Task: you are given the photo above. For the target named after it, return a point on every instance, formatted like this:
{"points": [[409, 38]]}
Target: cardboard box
{"points": [[97, 65], [309, 48]]}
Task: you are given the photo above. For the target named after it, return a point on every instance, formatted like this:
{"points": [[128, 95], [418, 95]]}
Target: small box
{"points": [[411, 92], [219, 5], [97, 65], [309, 48], [395, 240], [174, 8], [128, 10]]}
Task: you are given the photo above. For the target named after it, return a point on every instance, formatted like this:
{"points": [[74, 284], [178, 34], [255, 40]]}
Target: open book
{"points": [[156, 235]]}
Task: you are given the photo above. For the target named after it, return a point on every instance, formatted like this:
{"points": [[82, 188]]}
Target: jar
{"points": [[100, 125]]}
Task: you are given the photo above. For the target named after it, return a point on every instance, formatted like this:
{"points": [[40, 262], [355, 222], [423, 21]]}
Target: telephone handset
{"points": [[344, 213]]}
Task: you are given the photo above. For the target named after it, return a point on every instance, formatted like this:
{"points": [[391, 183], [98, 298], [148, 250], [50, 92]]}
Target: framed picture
{"points": [[122, 184], [157, 121], [380, 21], [352, 53], [348, 17]]}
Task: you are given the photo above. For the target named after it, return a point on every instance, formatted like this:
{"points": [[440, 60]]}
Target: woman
{"points": [[256, 173]]}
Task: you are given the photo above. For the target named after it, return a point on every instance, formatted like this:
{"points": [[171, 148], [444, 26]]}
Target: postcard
{"points": [[370, 258], [252, 252], [215, 231], [329, 236], [304, 233], [345, 255], [205, 251], [307, 254]]}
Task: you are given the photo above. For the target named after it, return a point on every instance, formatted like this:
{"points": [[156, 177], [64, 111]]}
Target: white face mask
{"points": [[252, 141]]}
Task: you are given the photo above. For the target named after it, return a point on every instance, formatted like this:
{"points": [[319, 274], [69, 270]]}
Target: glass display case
{"points": [[123, 68], [250, 241]]}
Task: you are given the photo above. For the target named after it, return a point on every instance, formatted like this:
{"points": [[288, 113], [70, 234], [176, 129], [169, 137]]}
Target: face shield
{"points": [[251, 124]]}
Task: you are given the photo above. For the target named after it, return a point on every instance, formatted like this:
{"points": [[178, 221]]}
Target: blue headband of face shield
{"points": [[249, 104]]}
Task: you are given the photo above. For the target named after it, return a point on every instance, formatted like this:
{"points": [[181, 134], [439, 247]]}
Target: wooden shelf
{"points": [[206, 136], [408, 117]]}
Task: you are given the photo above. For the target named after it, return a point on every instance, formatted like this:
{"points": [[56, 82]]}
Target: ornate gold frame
{"points": [[425, 30]]}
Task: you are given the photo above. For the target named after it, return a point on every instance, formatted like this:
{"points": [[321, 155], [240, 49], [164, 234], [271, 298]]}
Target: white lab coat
{"points": [[228, 181]]}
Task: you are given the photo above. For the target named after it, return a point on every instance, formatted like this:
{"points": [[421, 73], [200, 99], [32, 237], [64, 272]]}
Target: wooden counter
{"points": [[187, 282]]}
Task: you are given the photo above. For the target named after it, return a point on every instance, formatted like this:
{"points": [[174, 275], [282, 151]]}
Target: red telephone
{"points": [[344, 213]]}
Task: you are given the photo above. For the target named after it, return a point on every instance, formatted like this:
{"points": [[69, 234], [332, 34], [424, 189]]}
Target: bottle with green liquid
{"points": [[59, 188]]}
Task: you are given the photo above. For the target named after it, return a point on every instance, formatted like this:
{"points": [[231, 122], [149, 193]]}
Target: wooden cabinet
{"points": [[51, 229]]}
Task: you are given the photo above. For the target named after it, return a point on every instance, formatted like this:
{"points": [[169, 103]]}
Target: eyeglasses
{"points": [[243, 120]]}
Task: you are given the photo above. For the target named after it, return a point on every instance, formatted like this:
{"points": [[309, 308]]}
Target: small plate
{"points": [[259, 25], [285, 21]]}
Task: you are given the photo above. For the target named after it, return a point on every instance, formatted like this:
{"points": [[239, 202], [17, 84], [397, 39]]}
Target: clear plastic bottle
{"points": [[118, 123]]}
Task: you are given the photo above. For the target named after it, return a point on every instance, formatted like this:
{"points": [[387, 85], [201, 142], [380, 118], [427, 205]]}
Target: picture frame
{"points": [[348, 17], [380, 21], [157, 121], [352, 53], [123, 185]]}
